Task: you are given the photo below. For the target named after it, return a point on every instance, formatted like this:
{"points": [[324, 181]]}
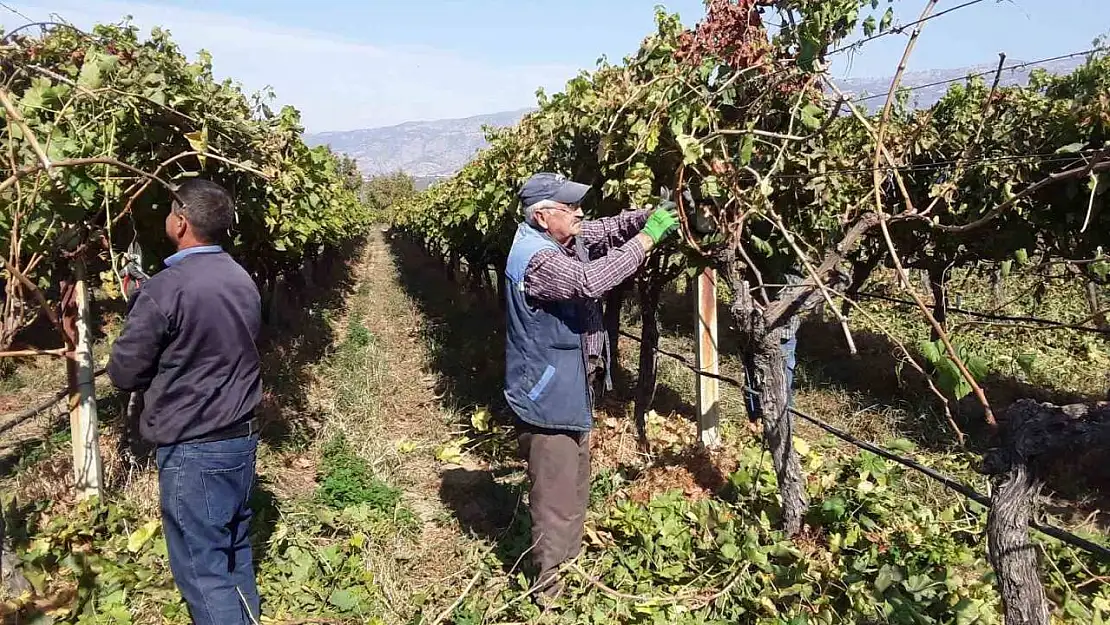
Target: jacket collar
{"points": [[180, 255]]}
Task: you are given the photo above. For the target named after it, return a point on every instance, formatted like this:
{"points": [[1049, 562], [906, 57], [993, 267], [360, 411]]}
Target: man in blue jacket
{"points": [[189, 343], [558, 269]]}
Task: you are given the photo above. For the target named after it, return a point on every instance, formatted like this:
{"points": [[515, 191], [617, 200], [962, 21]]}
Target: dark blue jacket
{"points": [[189, 342], [545, 363]]}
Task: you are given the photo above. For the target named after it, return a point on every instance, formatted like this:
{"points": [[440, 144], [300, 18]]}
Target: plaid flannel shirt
{"points": [[555, 275]]}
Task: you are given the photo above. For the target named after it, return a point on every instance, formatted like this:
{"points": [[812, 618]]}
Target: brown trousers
{"points": [[559, 468]]}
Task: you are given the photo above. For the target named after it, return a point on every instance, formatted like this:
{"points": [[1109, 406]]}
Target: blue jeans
{"points": [[205, 518], [755, 409]]}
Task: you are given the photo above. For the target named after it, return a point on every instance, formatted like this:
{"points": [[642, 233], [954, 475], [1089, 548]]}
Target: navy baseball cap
{"points": [[556, 187]]}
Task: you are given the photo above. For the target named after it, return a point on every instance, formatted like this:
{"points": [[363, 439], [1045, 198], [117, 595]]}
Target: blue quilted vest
{"points": [[545, 363]]}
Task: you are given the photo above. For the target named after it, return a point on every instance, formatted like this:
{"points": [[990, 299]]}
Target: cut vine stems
{"points": [[903, 276], [40, 298], [81, 162]]}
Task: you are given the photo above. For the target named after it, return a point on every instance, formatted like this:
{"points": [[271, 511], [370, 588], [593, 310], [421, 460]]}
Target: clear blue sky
{"points": [[360, 63]]}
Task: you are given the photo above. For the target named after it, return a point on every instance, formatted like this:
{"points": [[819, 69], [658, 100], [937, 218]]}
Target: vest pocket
{"points": [[545, 379]]}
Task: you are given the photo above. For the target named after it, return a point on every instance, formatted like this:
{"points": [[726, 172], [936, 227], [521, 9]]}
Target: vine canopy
{"points": [[98, 126]]}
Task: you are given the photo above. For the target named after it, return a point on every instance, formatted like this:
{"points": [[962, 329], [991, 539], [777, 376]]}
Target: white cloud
{"points": [[336, 84]]}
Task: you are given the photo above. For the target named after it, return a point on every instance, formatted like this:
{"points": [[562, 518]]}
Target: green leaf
{"points": [[811, 116], [711, 186], [888, 19], [810, 49], [480, 420], [834, 507], [198, 140], [345, 600], [869, 26], [692, 149], [931, 351], [95, 66], [141, 536], [762, 246], [41, 95], [1022, 257], [887, 576], [652, 140], [1100, 268], [451, 452], [969, 611], [902, 445], [952, 380], [917, 584], [1026, 361], [1071, 148], [977, 367], [746, 150], [1075, 609]]}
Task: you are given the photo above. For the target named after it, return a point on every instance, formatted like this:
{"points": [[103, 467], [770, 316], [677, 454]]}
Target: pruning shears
{"points": [[131, 271], [698, 220]]}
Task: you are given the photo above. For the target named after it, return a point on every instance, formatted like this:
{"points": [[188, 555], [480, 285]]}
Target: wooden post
{"points": [[82, 399], [708, 391]]}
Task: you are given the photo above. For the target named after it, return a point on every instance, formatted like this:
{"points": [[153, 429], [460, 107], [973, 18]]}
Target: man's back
{"points": [[206, 312]]}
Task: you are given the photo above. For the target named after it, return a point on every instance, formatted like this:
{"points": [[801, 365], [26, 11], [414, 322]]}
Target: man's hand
{"points": [[663, 221]]}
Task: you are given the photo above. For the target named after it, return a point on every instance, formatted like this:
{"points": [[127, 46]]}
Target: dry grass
{"points": [[382, 397]]}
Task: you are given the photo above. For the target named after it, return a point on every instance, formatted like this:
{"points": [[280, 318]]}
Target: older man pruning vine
{"points": [[556, 350]]}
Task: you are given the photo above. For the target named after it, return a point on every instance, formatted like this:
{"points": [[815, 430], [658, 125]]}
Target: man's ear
{"points": [[540, 217], [182, 225]]}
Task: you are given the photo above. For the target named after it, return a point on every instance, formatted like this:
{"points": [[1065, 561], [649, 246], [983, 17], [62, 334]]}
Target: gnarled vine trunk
{"points": [[1035, 437], [938, 285], [1094, 303], [1012, 555], [763, 347], [861, 272], [613, 303], [778, 424], [650, 292]]}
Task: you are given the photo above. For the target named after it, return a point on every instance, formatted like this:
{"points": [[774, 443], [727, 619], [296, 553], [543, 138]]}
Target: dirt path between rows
{"points": [[415, 423]]}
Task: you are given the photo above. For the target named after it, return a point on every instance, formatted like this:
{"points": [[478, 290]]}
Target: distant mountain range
{"points": [[929, 86], [435, 149], [425, 150]]}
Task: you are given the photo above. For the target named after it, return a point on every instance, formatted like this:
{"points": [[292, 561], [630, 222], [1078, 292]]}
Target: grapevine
{"points": [[788, 175], [97, 128]]}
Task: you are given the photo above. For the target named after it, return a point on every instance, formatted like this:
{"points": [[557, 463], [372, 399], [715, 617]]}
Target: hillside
{"points": [[929, 95], [434, 149], [426, 149]]}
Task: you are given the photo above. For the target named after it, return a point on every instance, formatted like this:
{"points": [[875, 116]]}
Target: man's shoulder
{"points": [[197, 273], [527, 244]]}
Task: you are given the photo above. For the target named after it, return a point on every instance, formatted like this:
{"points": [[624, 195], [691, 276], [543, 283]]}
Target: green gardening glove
{"points": [[662, 221]]}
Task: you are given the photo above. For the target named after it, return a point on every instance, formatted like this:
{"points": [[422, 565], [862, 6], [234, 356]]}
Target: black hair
{"points": [[207, 206]]}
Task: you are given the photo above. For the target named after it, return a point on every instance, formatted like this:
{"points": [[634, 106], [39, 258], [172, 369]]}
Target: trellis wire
{"points": [[1062, 57], [1049, 323], [948, 482]]}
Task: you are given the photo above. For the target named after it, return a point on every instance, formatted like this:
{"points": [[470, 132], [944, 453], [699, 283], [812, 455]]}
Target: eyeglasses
{"points": [[569, 208]]}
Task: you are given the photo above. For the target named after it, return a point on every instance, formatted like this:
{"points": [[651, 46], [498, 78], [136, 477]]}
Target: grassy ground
{"points": [[389, 491]]}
